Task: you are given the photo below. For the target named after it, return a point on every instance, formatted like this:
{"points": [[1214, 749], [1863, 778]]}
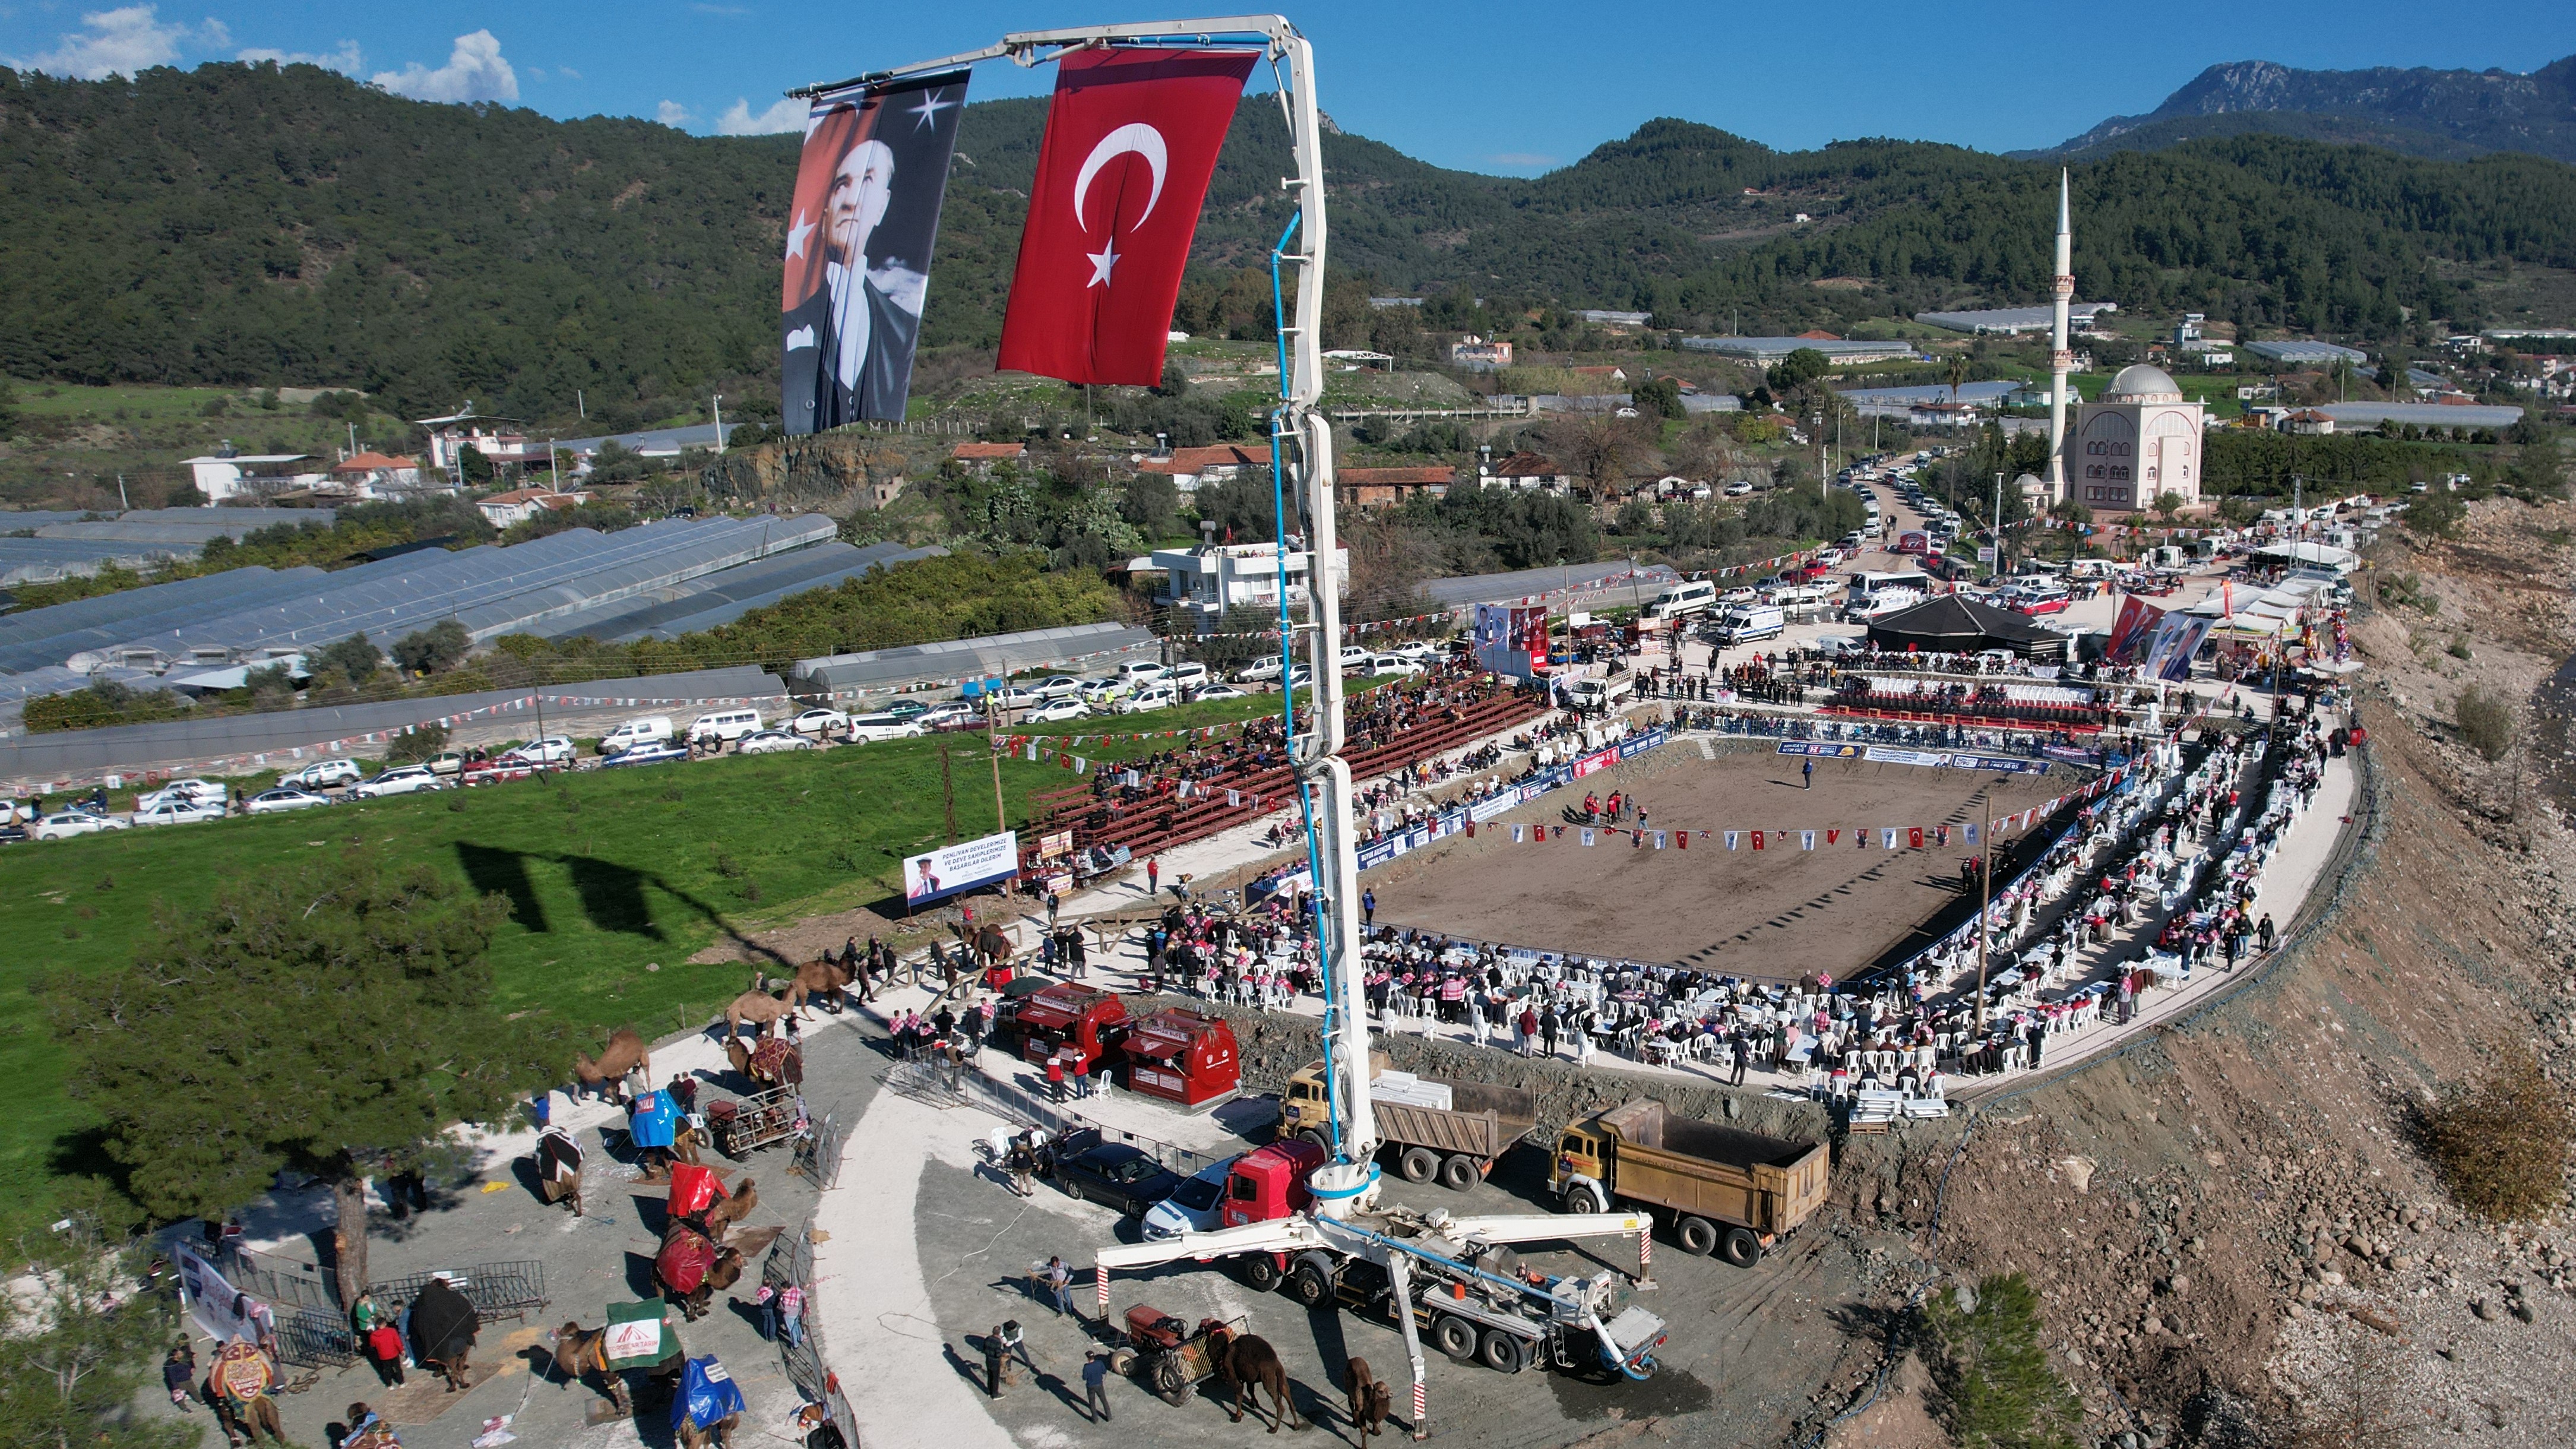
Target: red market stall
{"points": [[1069, 1015], [1181, 1056]]}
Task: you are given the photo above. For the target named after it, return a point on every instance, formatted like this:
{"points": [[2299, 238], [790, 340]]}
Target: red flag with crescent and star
{"points": [[1131, 140]]}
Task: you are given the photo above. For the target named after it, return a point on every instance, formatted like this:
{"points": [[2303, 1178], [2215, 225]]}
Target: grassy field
{"points": [[603, 872]]}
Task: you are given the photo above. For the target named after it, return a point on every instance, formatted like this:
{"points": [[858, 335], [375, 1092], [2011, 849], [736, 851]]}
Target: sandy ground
{"points": [[1780, 911]]}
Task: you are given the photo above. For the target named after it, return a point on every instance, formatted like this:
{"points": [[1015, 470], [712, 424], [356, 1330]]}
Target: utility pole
{"points": [[717, 407], [580, 406], [121, 503], [1995, 524], [992, 709]]}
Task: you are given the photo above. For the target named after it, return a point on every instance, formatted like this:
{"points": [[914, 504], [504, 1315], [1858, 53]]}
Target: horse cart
{"points": [[743, 1127], [1165, 1355]]}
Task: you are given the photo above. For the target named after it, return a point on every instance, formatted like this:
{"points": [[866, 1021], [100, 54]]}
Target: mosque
{"points": [[2139, 440]]}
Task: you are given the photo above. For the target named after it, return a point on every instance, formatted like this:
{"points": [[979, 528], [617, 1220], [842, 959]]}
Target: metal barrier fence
{"points": [[1009, 1102], [791, 1263], [497, 1290], [315, 1338], [818, 1153], [280, 1282]]}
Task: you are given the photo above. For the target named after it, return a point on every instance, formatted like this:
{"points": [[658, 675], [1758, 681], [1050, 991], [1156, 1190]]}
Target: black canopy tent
{"points": [[1952, 624]]}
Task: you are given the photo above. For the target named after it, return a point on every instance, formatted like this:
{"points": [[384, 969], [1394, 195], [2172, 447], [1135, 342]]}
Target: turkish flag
{"points": [[1131, 140]]}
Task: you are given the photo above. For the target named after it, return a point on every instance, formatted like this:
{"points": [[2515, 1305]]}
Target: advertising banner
{"points": [[1484, 810], [859, 236], [1999, 764], [1642, 741], [961, 867], [1595, 762], [1377, 853], [221, 1310], [1820, 751], [1511, 640], [1055, 845], [1895, 755]]}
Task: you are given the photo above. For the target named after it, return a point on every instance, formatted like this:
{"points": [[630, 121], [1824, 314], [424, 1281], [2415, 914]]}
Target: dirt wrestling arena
{"points": [[1780, 912]]}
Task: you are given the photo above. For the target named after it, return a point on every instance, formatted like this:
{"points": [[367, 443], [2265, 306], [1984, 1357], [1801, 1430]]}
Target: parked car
{"points": [[1104, 689], [1062, 686], [1187, 676], [180, 812], [1152, 696], [1057, 711], [552, 750], [495, 769], [450, 763], [905, 709], [68, 823], [282, 800], [661, 752], [1420, 651], [869, 728], [826, 723], [1739, 490], [1116, 1175], [652, 729], [324, 775], [1138, 672], [401, 780], [773, 742], [724, 726], [1216, 691], [1261, 671], [1193, 1206], [1354, 658], [1382, 664], [14, 833], [185, 792], [949, 716]]}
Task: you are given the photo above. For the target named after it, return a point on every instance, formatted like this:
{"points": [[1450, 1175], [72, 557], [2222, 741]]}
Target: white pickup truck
{"points": [[1600, 694]]}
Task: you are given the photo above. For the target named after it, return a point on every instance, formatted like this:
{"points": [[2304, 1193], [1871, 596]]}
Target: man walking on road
{"points": [[1095, 1385], [1154, 876], [1743, 1058], [2265, 934], [1368, 907], [1806, 774]]}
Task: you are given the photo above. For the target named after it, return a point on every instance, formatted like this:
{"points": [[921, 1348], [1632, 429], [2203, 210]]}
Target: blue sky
{"points": [[1504, 86]]}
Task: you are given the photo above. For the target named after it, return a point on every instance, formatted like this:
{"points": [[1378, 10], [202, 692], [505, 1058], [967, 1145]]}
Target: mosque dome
{"points": [[2139, 383]]}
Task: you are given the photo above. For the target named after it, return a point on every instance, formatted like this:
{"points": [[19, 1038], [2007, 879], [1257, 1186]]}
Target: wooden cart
{"points": [[743, 1127], [1165, 1355]]}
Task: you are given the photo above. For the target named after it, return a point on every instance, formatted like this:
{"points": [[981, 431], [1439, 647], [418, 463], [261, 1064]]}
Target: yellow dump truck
{"points": [[1728, 1191], [1433, 1128]]}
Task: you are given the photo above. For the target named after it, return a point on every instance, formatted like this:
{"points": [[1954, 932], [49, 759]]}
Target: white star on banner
{"points": [[797, 234], [1101, 261], [929, 109]]}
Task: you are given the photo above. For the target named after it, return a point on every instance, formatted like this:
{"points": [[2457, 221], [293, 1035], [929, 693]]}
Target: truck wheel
{"points": [[1740, 1247], [1461, 1172], [1503, 1353], [1315, 1137], [1261, 1272], [1455, 1337], [1583, 1200], [1418, 1164], [1122, 1362], [1698, 1235], [1309, 1285]]}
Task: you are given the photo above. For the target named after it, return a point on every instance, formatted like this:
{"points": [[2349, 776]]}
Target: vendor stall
{"points": [[1084, 1021], [1181, 1056]]}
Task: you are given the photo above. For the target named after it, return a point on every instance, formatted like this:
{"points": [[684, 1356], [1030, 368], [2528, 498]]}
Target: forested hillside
{"points": [[245, 224]]}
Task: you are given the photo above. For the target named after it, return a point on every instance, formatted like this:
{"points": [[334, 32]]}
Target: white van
{"points": [[1743, 626], [1187, 676], [1138, 671], [1683, 599], [652, 729], [724, 726]]}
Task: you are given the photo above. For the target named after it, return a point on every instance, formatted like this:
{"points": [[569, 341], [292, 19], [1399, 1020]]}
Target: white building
{"points": [[2139, 440], [1206, 581], [227, 475], [521, 504]]}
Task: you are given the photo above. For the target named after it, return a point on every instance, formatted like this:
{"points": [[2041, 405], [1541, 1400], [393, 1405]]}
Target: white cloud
{"points": [[787, 115], [345, 60], [123, 41], [672, 113], [474, 71], [567, 72]]}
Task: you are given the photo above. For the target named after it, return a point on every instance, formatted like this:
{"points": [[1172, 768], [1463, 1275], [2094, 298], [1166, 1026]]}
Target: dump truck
{"points": [[1450, 1130], [1728, 1191]]}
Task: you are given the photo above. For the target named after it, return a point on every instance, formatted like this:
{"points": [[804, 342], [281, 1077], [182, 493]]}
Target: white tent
{"points": [[2319, 555]]}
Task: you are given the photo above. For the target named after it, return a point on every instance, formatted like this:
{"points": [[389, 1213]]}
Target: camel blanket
{"points": [[685, 1260]]}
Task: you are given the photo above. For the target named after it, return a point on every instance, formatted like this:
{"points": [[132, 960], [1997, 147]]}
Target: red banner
{"points": [[1131, 140]]}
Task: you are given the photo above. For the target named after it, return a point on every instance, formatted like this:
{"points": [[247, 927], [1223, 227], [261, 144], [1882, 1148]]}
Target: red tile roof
{"points": [[1383, 476], [1819, 336], [371, 462], [1198, 460], [1528, 465]]}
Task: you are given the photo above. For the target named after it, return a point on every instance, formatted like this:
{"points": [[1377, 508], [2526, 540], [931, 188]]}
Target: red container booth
{"points": [[1069, 1014], [1181, 1056]]}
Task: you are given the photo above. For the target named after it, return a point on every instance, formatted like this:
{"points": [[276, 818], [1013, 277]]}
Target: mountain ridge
{"points": [[2423, 111]]}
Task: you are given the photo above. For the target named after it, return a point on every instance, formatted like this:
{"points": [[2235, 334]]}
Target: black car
{"points": [[1116, 1175]]}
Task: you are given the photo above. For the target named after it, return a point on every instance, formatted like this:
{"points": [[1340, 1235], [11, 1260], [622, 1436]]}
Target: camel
{"points": [[582, 1354], [822, 981], [772, 1064], [1371, 1399], [1247, 1362], [691, 1266], [719, 1433], [720, 1218], [624, 1053], [443, 1328], [756, 1006]]}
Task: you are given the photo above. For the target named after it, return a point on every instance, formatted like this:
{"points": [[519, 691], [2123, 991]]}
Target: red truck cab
{"points": [[1270, 1182], [1069, 1014]]}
